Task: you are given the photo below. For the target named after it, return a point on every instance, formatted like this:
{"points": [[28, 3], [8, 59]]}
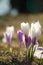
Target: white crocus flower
{"points": [[8, 34], [38, 53], [25, 28], [10, 29], [32, 31], [37, 27]]}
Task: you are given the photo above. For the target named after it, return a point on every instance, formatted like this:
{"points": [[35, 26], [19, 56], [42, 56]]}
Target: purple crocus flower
{"points": [[7, 38], [27, 41], [8, 34], [20, 37]]}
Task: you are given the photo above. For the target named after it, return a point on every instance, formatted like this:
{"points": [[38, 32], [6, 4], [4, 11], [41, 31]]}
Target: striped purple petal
{"points": [[34, 41], [27, 41], [40, 49], [8, 39], [20, 37]]}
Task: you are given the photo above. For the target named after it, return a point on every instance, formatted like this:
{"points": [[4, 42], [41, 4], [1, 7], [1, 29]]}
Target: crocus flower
{"points": [[20, 37], [8, 35], [27, 41], [38, 53], [25, 28], [32, 31], [7, 38], [35, 31], [37, 26], [10, 29]]}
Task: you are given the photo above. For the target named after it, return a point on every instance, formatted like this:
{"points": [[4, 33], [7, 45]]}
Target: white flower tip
{"points": [[25, 27], [38, 28], [35, 29], [10, 29]]}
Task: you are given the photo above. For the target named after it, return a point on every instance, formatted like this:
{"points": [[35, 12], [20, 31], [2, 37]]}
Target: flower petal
{"points": [[19, 35], [27, 41], [8, 38], [38, 53], [34, 41], [25, 28], [10, 29], [40, 48], [37, 27]]}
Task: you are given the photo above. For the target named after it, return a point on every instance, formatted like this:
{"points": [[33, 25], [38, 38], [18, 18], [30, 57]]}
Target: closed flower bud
{"points": [[25, 28]]}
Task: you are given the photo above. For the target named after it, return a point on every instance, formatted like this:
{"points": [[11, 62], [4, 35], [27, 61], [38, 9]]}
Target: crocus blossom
{"points": [[27, 41], [35, 29], [7, 38], [20, 37], [8, 35], [38, 53], [10, 29], [25, 28]]}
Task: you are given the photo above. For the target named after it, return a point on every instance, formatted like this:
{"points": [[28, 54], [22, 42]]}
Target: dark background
{"points": [[28, 5], [19, 4]]}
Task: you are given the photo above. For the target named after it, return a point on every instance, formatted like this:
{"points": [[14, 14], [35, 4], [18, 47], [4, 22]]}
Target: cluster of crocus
{"points": [[28, 34], [8, 35]]}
